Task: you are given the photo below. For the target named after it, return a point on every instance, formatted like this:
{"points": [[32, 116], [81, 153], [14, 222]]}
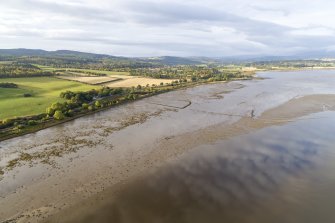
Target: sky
{"points": [[211, 28]]}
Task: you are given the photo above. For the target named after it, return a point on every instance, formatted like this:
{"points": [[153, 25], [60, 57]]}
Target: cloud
{"points": [[150, 28]]}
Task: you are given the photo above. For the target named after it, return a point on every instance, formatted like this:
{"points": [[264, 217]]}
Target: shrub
{"points": [[70, 113], [8, 121], [57, 106], [85, 106], [8, 85], [59, 115], [97, 104], [27, 95], [19, 127], [32, 122], [50, 111]]}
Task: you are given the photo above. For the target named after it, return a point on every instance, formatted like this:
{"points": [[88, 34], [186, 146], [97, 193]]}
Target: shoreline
{"points": [[74, 206], [295, 69], [53, 122], [108, 151]]}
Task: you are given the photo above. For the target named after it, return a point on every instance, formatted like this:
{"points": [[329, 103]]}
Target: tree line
{"points": [[21, 70], [8, 85]]}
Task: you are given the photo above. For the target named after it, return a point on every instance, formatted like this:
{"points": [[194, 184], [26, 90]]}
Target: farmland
{"points": [[135, 81], [38, 92], [43, 91], [109, 78], [93, 80]]}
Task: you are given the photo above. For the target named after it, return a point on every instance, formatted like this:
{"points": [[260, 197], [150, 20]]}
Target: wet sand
{"points": [[97, 156], [115, 204]]}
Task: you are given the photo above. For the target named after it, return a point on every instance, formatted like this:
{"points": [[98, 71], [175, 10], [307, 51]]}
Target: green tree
{"points": [[57, 106], [50, 111], [59, 115], [97, 104], [85, 106], [32, 122]]}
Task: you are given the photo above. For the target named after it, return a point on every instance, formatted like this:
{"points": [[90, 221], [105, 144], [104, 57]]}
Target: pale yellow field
{"points": [[135, 81], [90, 79]]}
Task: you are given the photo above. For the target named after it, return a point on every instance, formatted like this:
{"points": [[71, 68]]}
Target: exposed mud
{"points": [[48, 173]]}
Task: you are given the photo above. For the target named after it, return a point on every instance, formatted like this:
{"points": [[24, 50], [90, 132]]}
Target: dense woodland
{"points": [[17, 69]]}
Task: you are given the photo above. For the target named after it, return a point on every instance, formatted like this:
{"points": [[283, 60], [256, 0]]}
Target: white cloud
{"points": [[169, 27]]}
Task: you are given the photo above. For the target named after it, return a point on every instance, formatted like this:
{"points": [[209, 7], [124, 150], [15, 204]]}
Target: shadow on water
{"points": [[264, 176]]}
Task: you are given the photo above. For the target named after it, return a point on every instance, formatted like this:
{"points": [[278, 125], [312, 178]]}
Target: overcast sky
{"points": [[170, 27]]}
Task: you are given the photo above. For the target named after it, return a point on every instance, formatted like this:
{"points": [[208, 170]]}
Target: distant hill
{"points": [[44, 53], [164, 60], [170, 60]]}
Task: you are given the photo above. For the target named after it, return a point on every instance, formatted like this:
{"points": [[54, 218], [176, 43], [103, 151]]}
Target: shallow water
{"points": [[277, 174]]}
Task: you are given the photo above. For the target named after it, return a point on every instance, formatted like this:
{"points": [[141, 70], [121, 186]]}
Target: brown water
{"points": [[231, 156]]}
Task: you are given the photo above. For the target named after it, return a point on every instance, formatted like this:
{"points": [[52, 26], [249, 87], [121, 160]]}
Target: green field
{"points": [[45, 91]]}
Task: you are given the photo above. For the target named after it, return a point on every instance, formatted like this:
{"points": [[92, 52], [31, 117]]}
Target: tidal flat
{"points": [[217, 151]]}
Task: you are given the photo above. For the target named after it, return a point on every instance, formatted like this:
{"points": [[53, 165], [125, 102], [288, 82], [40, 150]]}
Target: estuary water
{"points": [[277, 174], [277, 167], [255, 151]]}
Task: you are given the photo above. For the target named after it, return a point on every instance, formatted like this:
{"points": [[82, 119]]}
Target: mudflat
{"points": [[68, 173]]}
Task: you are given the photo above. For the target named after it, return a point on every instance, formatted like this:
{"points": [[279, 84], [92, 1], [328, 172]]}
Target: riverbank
{"points": [[9, 134]]}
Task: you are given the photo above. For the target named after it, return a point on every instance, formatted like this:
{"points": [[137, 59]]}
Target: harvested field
{"points": [[94, 80], [135, 81]]}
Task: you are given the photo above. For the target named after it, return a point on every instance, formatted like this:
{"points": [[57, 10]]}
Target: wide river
{"points": [[254, 151]]}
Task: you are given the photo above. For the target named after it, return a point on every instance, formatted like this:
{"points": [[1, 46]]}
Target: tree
{"points": [[226, 77], [85, 106], [57, 106], [8, 85], [32, 122], [97, 104], [59, 115], [50, 111]]}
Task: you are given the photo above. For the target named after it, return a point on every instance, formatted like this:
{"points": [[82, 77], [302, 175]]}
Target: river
{"points": [[245, 151]]}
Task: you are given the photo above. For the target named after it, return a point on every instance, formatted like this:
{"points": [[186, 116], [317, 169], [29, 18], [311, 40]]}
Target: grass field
{"points": [[45, 91]]}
